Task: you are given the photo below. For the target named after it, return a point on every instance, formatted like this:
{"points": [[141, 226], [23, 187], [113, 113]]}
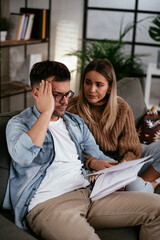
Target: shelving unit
{"points": [[12, 43], [11, 88]]}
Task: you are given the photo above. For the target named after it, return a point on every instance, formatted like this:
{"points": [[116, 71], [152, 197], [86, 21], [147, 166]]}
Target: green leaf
{"points": [[154, 31]]}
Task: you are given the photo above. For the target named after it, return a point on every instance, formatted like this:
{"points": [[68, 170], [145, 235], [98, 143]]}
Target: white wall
{"points": [[66, 33]]}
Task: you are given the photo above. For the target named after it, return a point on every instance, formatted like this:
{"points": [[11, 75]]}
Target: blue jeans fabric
{"points": [[152, 149], [139, 184]]}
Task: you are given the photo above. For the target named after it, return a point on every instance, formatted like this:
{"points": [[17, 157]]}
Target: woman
{"points": [[111, 121]]}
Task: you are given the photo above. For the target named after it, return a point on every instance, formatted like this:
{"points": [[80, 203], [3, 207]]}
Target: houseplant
{"points": [[4, 27], [125, 64], [154, 29]]}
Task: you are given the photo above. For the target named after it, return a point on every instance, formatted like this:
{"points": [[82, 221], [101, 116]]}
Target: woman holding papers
{"points": [[111, 121]]}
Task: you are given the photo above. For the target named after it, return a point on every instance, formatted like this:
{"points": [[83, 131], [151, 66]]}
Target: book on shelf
{"points": [[44, 24], [15, 19], [29, 27], [114, 178], [40, 28], [24, 26], [19, 37], [21, 26]]}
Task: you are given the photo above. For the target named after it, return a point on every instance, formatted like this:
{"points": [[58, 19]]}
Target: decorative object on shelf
{"points": [[22, 74], [4, 27], [154, 33], [124, 65]]}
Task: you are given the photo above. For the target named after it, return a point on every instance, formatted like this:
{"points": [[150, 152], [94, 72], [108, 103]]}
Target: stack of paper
{"points": [[116, 177]]}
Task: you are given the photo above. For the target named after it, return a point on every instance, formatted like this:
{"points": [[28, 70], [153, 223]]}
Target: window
{"points": [[103, 19]]}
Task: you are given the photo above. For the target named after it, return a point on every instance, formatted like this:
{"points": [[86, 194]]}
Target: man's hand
{"points": [[44, 99], [45, 104], [97, 165]]}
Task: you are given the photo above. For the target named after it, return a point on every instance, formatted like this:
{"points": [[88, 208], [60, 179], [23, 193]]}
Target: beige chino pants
{"points": [[73, 216]]}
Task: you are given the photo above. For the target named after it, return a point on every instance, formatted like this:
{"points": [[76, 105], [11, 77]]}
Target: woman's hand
{"points": [[97, 165], [123, 161]]}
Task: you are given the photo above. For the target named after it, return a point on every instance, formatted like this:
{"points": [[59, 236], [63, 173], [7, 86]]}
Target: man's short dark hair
{"points": [[45, 69]]}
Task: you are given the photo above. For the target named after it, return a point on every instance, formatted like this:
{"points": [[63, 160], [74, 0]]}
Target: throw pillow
{"points": [[149, 130]]}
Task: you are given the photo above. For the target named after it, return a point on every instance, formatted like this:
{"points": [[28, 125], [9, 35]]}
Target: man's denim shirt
{"points": [[29, 162]]}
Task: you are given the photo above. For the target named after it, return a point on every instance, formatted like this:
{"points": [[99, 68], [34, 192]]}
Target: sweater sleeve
{"points": [[129, 144]]}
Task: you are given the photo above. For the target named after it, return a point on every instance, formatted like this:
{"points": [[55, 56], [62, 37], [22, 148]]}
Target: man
{"points": [[48, 188]]}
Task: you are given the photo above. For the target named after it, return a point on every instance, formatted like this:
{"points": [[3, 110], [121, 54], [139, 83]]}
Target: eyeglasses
{"points": [[59, 96]]}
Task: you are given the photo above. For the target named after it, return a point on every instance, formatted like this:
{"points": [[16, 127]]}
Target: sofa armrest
{"points": [[9, 231]]}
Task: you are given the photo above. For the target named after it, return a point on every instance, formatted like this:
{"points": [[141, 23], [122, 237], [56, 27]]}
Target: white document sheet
{"points": [[116, 177]]}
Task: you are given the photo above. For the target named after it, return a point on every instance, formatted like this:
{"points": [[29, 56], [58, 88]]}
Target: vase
{"points": [[3, 35]]}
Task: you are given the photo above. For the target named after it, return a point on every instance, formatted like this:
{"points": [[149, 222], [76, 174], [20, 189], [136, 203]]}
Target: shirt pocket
{"points": [[46, 154]]}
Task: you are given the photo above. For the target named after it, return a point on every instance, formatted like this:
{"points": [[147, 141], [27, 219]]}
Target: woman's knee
{"points": [[151, 149], [139, 185]]}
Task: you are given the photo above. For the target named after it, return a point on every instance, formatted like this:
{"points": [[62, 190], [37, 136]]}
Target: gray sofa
{"points": [[128, 88]]}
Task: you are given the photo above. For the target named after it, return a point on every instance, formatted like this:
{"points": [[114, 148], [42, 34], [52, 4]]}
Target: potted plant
{"points": [[4, 27], [125, 65], [154, 30]]}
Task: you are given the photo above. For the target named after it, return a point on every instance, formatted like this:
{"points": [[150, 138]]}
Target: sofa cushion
{"points": [[9, 231], [130, 89], [4, 155], [125, 233], [149, 130]]}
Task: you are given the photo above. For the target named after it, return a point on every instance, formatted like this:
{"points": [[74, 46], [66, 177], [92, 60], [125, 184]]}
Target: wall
{"points": [[66, 33]]}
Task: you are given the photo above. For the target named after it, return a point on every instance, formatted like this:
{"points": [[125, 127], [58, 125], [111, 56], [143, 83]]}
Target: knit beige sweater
{"points": [[123, 140]]}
